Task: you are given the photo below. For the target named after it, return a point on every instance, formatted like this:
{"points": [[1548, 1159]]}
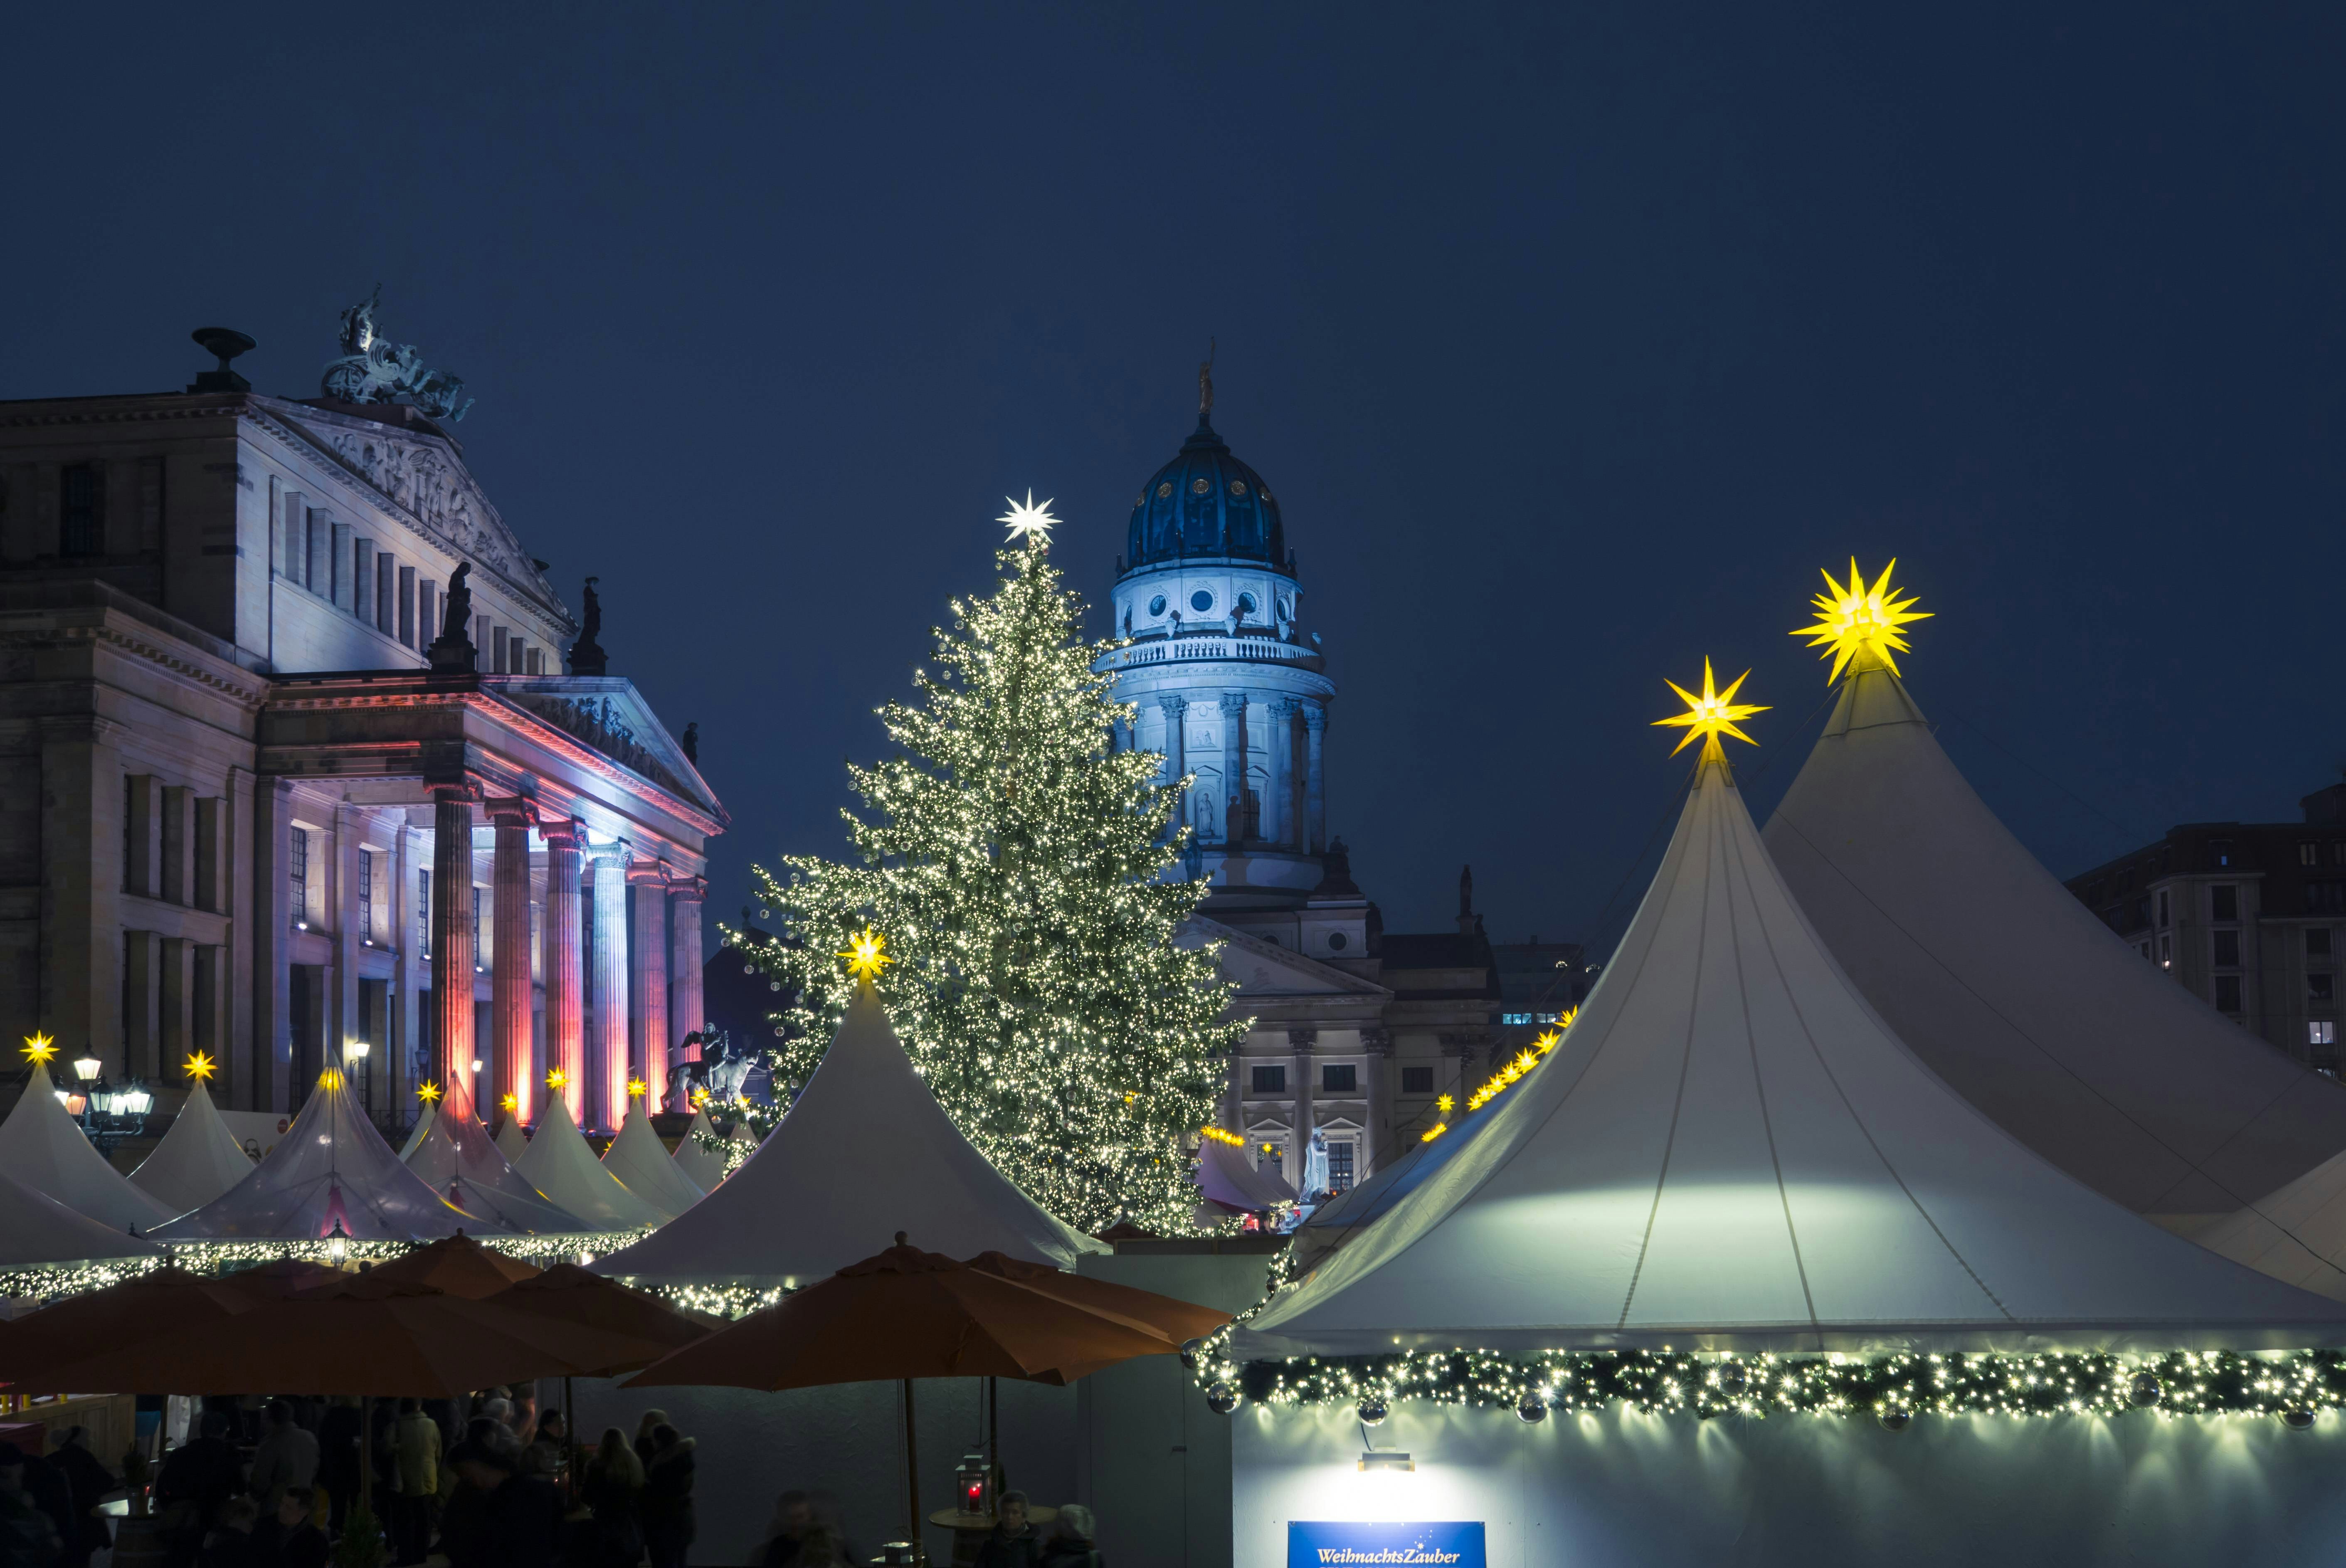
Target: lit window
{"points": [[1340, 1165], [366, 895], [2322, 1032]]}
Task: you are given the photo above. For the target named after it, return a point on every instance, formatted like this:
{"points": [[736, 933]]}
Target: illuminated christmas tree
{"points": [[1012, 860]]}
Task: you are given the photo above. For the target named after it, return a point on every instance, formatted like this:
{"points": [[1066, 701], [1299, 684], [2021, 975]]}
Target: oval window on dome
{"points": [[1201, 601], [1200, 487], [1238, 487], [1246, 604], [1164, 490], [1336, 940], [1157, 605]]}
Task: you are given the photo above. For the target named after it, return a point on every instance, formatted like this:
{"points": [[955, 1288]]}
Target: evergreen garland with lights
{"points": [[1014, 861]]}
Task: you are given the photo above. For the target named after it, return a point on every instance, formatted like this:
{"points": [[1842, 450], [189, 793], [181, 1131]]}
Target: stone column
{"points": [[81, 821], [452, 941], [647, 976], [1177, 757], [240, 1030], [509, 979], [272, 911], [341, 998], [1300, 1044], [1378, 1044], [566, 1001], [1275, 824], [1234, 764], [400, 1073], [142, 1007], [1315, 793], [688, 1012], [606, 1051]]}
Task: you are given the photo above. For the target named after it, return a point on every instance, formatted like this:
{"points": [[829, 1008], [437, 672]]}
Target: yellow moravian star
{"points": [[39, 1049], [1853, 618], [866, 955], [197, 1066], [428, 1093], [1711, 715]]}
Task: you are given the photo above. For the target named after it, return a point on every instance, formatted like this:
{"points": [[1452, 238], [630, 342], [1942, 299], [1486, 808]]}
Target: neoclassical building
{"points": [[241, 811], [1356, 1031]]}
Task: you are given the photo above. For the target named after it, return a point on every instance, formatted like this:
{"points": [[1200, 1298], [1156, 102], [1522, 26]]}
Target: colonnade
{"points": [[1284, 821]]}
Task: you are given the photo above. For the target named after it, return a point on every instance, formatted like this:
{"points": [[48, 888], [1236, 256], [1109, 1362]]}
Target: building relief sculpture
{"points": [[596, 721], [374, 369]]}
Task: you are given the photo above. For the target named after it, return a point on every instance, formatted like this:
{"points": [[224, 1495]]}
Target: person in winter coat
{"points": [[1013, 1543], [667, 1514], [519, 1521], [86, 1482], [612, 1536], [230, 1544], [416, 1494], [194, 1481], [287, 1458], [28, 1536], [337, 1457], [1069, 1544], [291, 1539]]}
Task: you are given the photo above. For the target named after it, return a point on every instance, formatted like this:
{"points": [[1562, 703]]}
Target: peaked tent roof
{"points": [[2298, 1233], [864, 1152], [642, 1163], [459, 1160], [2016, 994], [330, 1162], [422, 1130], [197, 1160], [1227, 1177], [512, 1142], [36, 1228], [40, 1146], [701, 1167], [1730, 1150], [559, 1164], [1350, 1212]]}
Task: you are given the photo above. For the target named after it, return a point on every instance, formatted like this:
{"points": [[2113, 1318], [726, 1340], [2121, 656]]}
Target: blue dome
{"points": [[1204, 502]]}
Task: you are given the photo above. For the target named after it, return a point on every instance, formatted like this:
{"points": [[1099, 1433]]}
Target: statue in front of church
{"points": [[372, 368], [586, 655]]}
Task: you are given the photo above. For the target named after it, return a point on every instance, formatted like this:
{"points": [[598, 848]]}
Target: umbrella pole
{"points": [[366, 1452], [912, 1481], [569, 1443], [994, 1432]]}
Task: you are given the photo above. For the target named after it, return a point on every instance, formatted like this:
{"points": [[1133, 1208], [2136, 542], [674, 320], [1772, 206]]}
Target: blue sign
{"points": [[1323, 1543]]}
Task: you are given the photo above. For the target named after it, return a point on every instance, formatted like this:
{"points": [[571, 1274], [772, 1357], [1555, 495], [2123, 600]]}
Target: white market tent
{"points": [[197, 1160], [458, 1159], [1226, 1177], [330, 1165], [2015, 993], [701, 1167], [2298, 1233], [864, 1152], [422, 1130], [41, 1147], [511, 1143], [1732, 1151], [36, 1228], [644, 1167], [559, 1163]]}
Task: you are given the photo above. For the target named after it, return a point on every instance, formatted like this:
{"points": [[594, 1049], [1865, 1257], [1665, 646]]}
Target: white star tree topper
{"points": [[1029, 523]]}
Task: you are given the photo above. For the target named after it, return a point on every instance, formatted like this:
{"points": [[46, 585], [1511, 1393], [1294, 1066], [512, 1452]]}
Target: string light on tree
{"points": [[1017, 862], [1853, 619]]}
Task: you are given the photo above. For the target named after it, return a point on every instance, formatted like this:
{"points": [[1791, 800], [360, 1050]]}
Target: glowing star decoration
{"points": [[197, 1066], [509, 1102], [39, 1049], [638, 1088], [1220, 1136], [428, 1093], [865, 956], [700, 1096], [557, 1080], [1853, 618], [1029, 523], [1710, 715]]}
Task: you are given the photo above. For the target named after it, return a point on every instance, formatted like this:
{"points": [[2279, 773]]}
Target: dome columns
{"points": [[1234, 767], [1315, 792]]}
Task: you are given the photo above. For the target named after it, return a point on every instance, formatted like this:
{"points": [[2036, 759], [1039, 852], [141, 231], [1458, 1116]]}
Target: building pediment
{"points": [[609, 715], [1265, 969]]}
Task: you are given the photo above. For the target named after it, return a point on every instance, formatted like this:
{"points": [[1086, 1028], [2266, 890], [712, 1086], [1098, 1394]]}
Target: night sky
{"points": [[1574, 339]]}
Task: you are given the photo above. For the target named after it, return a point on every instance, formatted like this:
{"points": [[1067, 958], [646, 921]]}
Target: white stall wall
{"points": [[1594, 1490], [750, 1447]]}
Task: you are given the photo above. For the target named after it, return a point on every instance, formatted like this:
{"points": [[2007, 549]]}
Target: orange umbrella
{"points": [[458, 1265], [567, 1293], [162, 1300], [1171, 1319], [365, 1337]]}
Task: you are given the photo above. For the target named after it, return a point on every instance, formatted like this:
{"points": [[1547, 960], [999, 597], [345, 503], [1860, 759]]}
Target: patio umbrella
{"points": [[904, 1314], [365, 1337], [166, 1300], [1164, 1315], [567, 1293], [458, 1265]]}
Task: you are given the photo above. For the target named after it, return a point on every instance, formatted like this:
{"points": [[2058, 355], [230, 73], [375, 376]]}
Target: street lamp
{"points": [[88, 1068], [355, 1057]]}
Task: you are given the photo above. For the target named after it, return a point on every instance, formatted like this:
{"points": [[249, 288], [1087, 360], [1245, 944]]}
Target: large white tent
{"points": [[330, 1165], [2298, 1233], [417, 1134], [41, 1147], [864, 1152], [701, 1167], [458, 1159], [645, 1167], [559, 1163], [1731, 1150], [36, 1228], [197, 1160], [2016, 994]]}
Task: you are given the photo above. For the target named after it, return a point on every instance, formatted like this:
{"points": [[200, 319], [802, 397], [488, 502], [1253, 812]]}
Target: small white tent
{"points": [[701, 1167], [422, 1130], [330, 1165], [458, 1159], [1730, 1150], [36, 1228], [1226, 1177], [199, 1158], [511, 1141], [864, 1152], [559, 1163], [41, 1147], [2016, 994], [644, 1167]]}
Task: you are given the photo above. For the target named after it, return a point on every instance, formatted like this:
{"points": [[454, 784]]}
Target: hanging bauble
{"points": [[1221, 1399], [2144, 1390], [1895, 1418], [1733, 1379], [1373, 1409], [765, 914], [1190, 1352], [1531, 1410], [2297, 1421]]}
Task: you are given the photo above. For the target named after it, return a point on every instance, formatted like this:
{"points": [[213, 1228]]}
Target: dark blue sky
{"points": [[1574, 339]]}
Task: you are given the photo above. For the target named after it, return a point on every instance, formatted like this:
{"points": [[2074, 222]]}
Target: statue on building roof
{"points": [[374, 370], [452, 652], [586, 655]]}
